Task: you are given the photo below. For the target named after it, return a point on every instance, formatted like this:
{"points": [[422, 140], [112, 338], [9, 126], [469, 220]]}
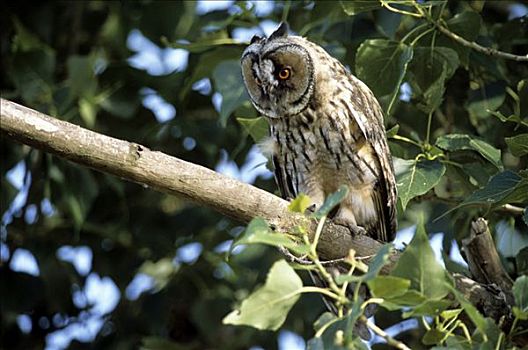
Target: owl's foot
{"points": [[355, 229]]}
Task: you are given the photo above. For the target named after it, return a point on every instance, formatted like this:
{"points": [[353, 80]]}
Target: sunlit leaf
{"points": [[418, 264], [416, 177], [267, 307], [300, 203], [388, 287], [259, 232]]}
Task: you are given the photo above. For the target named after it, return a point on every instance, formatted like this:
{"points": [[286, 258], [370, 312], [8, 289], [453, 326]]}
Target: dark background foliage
{"points": [[75, 60]]}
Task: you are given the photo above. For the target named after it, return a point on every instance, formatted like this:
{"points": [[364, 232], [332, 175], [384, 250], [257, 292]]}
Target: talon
{"points": [[355, 229]]}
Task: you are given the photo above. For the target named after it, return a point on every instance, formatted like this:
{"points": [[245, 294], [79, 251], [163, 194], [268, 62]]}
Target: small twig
{"points": [[473, 45], [390, 340]]}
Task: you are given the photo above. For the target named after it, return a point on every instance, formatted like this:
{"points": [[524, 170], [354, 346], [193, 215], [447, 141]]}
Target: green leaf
{"points": [[465, 24], [382, 64], [429, 307], [353, 7], [258, 232], [408, 299], [520, 292], [331, 202], [450, 314], [457, 142], [257, 128], [88, 111], [377, 263], [518, 144], [520, 314], [431, 67], [32, 75], [338, 335], [416, 177], [315, 344], [24, 40], [478, 320], [392, 131], [521, 261], [509, 240], [228, 82], [323, 320], [433, 336], [81, 76], [388, 287], [485, 99], [418, 264], [505, 187], [300, 204], [267, 307]]}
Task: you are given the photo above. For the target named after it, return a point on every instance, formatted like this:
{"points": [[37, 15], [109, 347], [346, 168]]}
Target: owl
{"points": [[326, 130]]}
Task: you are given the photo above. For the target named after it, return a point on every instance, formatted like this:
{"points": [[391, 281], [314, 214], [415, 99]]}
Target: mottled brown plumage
{"points": [[326, 129]]}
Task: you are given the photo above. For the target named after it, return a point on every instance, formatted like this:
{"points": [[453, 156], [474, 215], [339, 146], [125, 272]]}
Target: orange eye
{"points": [[284, 73]]}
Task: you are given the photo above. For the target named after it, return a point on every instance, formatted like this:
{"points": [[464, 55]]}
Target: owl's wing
{"points": [[370, 121], [283, 180]]}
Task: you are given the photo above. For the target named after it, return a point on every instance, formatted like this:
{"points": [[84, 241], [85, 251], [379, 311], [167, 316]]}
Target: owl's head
{"points": [[278, 73]]}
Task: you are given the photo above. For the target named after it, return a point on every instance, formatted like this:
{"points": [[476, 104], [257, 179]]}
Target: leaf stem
{"points": [[390, 340], [387, 5], [429, 120], [406, 139], [321, 330], [312, 289]]}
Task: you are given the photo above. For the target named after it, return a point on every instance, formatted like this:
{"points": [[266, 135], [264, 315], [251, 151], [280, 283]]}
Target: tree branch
{"points": [[479, 48], [161, 172]]}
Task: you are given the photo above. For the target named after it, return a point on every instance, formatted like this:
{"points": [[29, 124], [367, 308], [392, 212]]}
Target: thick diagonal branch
{"points": [[240, 201], [161, 172]]}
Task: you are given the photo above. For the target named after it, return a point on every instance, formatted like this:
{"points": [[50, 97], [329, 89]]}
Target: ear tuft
{"points": [[280, 32], [255, 39]]}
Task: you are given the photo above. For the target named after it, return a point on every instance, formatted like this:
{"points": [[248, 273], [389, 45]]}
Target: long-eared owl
{"points": [[326, 130]]}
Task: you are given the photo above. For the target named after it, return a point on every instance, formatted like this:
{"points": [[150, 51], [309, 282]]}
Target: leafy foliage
{"points": [[458, 126]]}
